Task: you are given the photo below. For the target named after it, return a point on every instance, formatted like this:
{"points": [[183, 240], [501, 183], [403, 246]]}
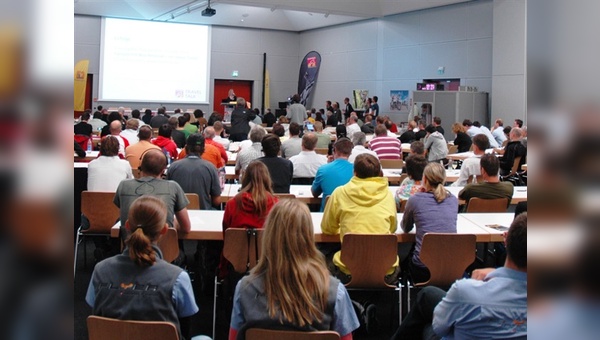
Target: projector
{"points": [[209, 12]]}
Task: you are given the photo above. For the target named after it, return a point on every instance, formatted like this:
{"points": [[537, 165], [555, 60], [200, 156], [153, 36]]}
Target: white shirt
{"points": [[224, 141], [106, 172], [490, 137], [130, 135], [121, 145], [352, 129], [306, 164], [470, 166], [499, 135], [359, 149], [473, 130]]}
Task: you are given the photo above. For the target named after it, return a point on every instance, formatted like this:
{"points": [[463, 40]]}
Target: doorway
{"points": [[242, 88]]}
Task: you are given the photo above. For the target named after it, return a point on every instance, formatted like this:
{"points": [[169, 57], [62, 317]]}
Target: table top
{"points": [[207, 225], [89, 156], [491, 221]]}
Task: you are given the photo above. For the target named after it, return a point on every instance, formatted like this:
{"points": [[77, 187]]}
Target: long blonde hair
{"points": [[435, 174], [147, 217], [257, 182], [295, 275]]}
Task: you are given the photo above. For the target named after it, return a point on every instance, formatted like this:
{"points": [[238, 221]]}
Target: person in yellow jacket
{"points": [[364, 205]]}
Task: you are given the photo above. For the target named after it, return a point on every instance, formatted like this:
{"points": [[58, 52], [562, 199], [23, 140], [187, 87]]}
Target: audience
{"points": [[368, 127], [218, 126], [514, 148], [83, 127], [254, 151], [492, 304], [462, 140], [307, 162], [491, 186], [138, 284], [113, 116], [115, 131], [188, 128], [147, 117], [359, 139], [323, 138], [281, 170], [176, 124], [159, 119], [437, 123], [415, 164], [435, 144], [97, 123], [432, 210], [470, 166], [196, 175], [364, 205], [334, 174], [199, 120], [498, 133], [108, 170], [131, 131], [409, 136], [240, 118], [134, 153], [290, 288], [214, 117], [269, 118], [384, 146], [352, 126], [472, 130], [209, 138], [487, 133], [165, 142], [296, 112], [293, 145]]}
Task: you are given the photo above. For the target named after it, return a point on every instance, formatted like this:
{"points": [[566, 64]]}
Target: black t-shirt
{"points": [[281, 171], [420, 134], [82, 128], [178, 137], [463, 141], [408, 136], [439, 129]]}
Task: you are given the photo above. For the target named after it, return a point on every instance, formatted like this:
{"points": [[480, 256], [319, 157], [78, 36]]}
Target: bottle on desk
{"points": [[90, 144], [222, 178]]}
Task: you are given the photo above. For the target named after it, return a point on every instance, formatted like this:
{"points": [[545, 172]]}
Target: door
{"points": [[242, 88]]}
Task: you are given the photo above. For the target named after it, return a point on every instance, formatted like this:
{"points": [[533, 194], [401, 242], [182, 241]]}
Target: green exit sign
{"points": [[235, 73]]}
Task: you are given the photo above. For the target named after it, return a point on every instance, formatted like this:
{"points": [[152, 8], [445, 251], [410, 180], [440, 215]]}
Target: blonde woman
{"points": [[291, 288], [138, 284], [462, 140], [432, 210]]}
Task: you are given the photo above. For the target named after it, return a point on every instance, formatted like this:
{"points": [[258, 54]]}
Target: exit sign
{"points": [[235, 73]]}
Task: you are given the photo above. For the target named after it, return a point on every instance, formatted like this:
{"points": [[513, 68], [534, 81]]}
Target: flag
{"points": [[80, 82], [267, 91], [309, 70]]}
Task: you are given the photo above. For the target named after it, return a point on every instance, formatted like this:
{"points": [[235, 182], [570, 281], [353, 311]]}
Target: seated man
{"points": [[280, 169], [307, 162], [491, 304], [359, 139], [491, 186], [250, 153], [471, 166], [150, 182], [293, 145], [386, 147], [364, 205], [334, 174], [513, 149]]}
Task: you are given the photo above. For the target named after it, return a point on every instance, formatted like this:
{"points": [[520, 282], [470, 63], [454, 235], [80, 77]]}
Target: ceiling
{"points": [[288, 15]]}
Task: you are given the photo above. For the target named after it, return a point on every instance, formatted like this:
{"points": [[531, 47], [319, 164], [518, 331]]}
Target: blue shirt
{"points": [[493, 308], [330, 176]]}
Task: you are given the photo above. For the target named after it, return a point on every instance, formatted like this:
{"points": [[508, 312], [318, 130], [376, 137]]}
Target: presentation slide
{"points": [[147, 61]]}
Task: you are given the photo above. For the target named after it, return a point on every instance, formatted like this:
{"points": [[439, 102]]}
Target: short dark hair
{"points": [[271, 145], [467, 122], [278, 130], [366, 166], [294, 129], [490, 164], [430, 128], [516, 241], [161, 110], [198, 113], [113, 116], [181, 120], [147, 112], [173, 122], [164, 131], [507, 129], [375, 98], [340, 131], [187, 116], [109, 146], [415, 164], [153, 162], [417, 147], [97, 114], [145, 132], [135, 113], [85, 116], [437, 120], [481, 141], [519, 122], [380, 130], [344, 146], [296, 98], [476, 123], [195, 144]]}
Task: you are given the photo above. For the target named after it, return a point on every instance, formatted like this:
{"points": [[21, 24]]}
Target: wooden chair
{"points": [[285, 196], [391, 163], [401, 206], [169, 245], [271, 334], [241, 247], [490, 205], [102, 213], [194, 201], [101, 328], [322, 151], [399, 180], [368, 257], [446, 256]]}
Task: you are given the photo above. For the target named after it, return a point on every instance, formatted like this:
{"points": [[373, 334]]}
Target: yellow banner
{"points": [[267, 93], [80, 82]]}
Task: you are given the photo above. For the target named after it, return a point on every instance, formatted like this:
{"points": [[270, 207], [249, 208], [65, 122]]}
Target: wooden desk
{"points": [[230, 173], [231, 157], [207, 225], [89, 156], [484, 219]]}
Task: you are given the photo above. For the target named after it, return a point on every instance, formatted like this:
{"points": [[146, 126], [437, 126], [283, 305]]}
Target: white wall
{"points": [[509, 81]]}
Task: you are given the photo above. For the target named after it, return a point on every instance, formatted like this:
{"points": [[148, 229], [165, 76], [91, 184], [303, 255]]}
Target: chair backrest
{"points": [[322, 151], [391, 163], [169, 245], [241, 247], [452, 149], [516, 165], [401, 206], [194, 201], [446, 256], [369, 257], [101, 328], [285, 196], [487, 205], [100, 210], [399, 180], [271, 334]]}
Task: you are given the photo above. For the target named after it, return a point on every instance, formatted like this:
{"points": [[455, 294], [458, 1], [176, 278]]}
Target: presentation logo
{"points": [[179, 93], [80, 75], [311, 62]]}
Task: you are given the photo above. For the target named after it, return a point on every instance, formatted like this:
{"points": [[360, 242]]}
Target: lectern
{"points": [[227, 110]]}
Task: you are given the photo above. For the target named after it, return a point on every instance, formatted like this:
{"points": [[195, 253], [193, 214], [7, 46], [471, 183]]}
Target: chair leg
{"points": [[75, 255], [214, 325]]}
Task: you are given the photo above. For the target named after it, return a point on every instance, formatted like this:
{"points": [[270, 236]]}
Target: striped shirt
{"points": [[386, 147]]}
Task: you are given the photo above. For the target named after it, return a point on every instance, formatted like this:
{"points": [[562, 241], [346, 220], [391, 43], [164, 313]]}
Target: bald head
{"points": [[115, 127], [209, 132], [153, 163]]}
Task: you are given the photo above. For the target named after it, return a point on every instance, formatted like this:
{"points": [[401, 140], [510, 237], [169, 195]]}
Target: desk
{"points": [[231, 157], [230, 173], [483, 219], [207, 225], [89, 156]]}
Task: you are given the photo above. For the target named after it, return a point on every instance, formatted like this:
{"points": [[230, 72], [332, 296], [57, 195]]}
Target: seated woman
{"points": [[290, 288], [433, 210], [415, 164], [462, 140], [250, 207], [138, 284]]}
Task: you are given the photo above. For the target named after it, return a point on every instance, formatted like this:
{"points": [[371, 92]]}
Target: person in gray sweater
{"points": [[435, 144]]}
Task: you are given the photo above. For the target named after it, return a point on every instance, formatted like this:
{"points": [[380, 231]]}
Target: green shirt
{"points": [[487, 190]]}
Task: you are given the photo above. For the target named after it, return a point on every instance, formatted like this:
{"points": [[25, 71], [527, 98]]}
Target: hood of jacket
{"points": [[162, 141], [366, 192], [437, 135]]}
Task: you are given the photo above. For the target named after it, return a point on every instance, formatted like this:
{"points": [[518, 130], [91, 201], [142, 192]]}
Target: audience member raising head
{"points": [[291, 286]]}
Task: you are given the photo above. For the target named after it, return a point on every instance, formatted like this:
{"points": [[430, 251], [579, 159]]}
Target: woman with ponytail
{"points": [[290, 287], [432, 210], [138, 284]]}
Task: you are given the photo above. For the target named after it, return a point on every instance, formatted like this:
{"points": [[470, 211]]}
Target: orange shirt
{"points": [[218, 146], [211, 154]]}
